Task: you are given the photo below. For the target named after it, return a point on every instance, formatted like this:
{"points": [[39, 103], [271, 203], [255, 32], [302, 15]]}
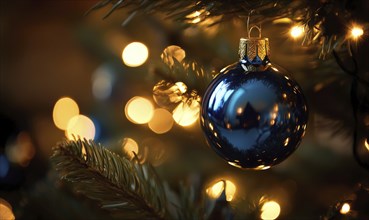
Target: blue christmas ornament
{"points": [[253, 113]]}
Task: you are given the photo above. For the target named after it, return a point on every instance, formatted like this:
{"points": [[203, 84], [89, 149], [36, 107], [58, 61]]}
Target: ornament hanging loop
{"points": [[254, 27]]}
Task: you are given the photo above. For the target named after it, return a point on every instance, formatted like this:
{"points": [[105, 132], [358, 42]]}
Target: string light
{"points": [[80, 126], [296, 31], [64, 109], [135, 54], [345, 208], [270, 210], [366, 143], [217, 189], [356, 32], [139, 110]]}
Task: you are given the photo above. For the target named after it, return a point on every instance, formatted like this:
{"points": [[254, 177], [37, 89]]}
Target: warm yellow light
{"points": [[130, 147], [80, 126], [135, 54], [6, 210], [216, 190], [356, 32], [345, 208], [64, 109], [366, 143], [185, 114], [173, 51], [161, 121], [270, 210], [21, 151], [296, 31], [139, 110]]}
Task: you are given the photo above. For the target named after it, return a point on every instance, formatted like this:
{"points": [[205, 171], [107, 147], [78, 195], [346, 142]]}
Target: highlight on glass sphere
{"points": [[173, 52], [270, 210], [161, 122], [135, 54], [139, 110], [80, 126], [64, 109], [215, 190]]}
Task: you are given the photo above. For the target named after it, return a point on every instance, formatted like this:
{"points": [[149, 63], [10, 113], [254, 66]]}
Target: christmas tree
{"points": [[177, 109]]}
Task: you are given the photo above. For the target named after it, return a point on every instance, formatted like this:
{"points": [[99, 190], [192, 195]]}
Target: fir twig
{"points": [[121, 186]]}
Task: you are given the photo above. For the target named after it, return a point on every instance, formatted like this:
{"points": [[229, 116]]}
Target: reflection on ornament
{"points": [[6, 212], [253, 114], [217, 189], [172, 53], [166, 94], [187, 113], [64, 109], [345, 208], [102, 82], [80, 126], [130, 147], [135, 54], [139, 110], [21, 151], [296, 31], [270, 210], [161, 122], [356, 32], [366, 143]]}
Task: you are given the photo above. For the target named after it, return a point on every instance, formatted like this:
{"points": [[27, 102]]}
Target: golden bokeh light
{"points": [[80, 126], [296, 31], [161, 121], [173, 51], [356, 32], [130, 147], [21, 151], [139, 110], [64, 109], [345, 208], [186, 113], [135, 54], [6, 212], [217, 188], [366, 144], [270, 210]]}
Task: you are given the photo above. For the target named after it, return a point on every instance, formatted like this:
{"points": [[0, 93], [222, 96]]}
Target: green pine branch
{"points": [[123, 187]]}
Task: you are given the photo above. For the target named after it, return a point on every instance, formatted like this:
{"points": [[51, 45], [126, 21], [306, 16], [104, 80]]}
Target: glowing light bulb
{"points": [[130, 147], [135, 54], [139, 110], [366, 143], [64, 109], [6, 210], [270, 210], [296, 31], [216, 190], [356, 32], [80, 126], [345, 208], [185, 114], [161, 121]]}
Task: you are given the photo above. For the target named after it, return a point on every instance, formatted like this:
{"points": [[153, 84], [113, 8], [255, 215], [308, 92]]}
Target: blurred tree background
{"points": [[50, 50]]}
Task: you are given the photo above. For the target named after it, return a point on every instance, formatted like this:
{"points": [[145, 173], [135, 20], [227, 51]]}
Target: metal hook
{"points": [[257, 27]]}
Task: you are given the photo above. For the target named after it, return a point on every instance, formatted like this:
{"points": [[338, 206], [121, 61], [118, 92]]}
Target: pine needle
{"points": [[123, 187]]}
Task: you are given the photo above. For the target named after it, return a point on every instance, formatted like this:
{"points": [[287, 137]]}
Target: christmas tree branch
{"points": [[121, 186]]}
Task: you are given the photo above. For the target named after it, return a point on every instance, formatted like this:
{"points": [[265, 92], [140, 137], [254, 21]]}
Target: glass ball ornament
{"points": [[253, 113]]}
